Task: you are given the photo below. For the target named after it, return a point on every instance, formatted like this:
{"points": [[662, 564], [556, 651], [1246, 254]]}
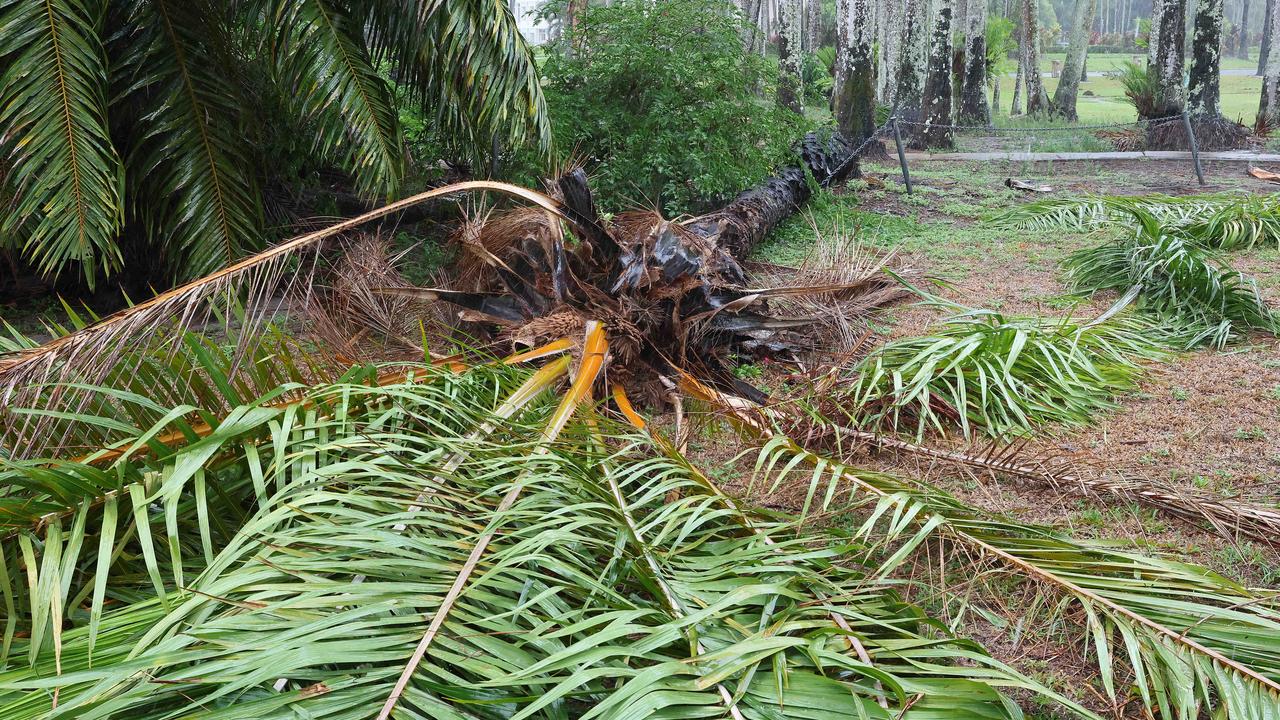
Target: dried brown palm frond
{"points": [[49, 381]]}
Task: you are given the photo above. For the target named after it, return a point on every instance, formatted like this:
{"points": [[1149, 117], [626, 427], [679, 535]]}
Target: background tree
{"points": [[1037, 98], [854, 95], [790, 57], [973, 82], [936, 104], [1268, 31], [1269, 106], [1073, 69], [913, 55], [1242, 43], [1169, 36], [138, 129]]}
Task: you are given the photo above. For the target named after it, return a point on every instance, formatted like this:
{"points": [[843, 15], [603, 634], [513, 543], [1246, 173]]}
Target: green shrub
{"points": [[665, 106]]}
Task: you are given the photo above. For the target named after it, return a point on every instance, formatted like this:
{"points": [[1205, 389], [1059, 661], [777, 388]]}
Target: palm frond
{"points": [[597, 596], [60, 169], [982, 372], [191, 182], [1182, 283], [57, 377], [319, 52], [1197, 643], [1228, 221], [468, 65]]}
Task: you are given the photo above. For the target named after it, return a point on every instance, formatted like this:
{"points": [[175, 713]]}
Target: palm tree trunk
{"points": [[1203, 95], [1016, 107], [1242, 44], [854, 94], [973, 88], [1269, 107], [1064, 98], [1170, 40], [913, 53], [1268, 31], [937, 84], [1037, 99], [790, 84]]}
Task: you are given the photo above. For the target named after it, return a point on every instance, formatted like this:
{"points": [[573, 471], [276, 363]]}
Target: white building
{"points": [[534, 30]]}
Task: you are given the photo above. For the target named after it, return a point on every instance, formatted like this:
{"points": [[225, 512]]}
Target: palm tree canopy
{"points": [[148, 119]]}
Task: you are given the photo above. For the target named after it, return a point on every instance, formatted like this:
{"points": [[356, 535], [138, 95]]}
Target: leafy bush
{"points": [[665, 104], [1140, 87]]}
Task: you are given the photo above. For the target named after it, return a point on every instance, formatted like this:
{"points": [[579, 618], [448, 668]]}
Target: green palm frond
{"points": [[61, 170], [1182, 283], [191, 179], [982, 372], [1228, 221], [324, 66], [614, 582], [468, 65], [1198, 644]]}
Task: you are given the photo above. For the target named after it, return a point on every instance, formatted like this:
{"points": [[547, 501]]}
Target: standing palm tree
{"points": [[144, 124]]}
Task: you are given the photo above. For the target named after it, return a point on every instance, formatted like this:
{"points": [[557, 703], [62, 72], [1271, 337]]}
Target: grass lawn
{"points": [[1107, 103]]}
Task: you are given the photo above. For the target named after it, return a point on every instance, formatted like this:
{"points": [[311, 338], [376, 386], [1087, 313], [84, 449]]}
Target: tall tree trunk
{"points": [[1037, 99], [1242, 37], [855, 91], [1269, 107], [1153, 34], [1016, 107], [812, 24], [973, 86], [1064, 98], [890, 52], [937, 83], [790, 85], [1264, 52], [1203, 95], [913, 54], [1171, 40]]}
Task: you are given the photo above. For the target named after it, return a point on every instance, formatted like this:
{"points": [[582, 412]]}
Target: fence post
{"points": [[902, 156], [1195, 148]]}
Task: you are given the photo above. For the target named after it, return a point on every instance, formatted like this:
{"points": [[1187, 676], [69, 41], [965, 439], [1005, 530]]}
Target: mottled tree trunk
{"points": [[1064, 98], [1203, 94], [1264, 52], [790, 86], [1016, 107], [937, 83], [1269, 107], [812, 24], [1153, 35], [1171, 39], [1037, 99], [893, 19], [1242, 43], [973, 79], [913, 56], [855, 93]]}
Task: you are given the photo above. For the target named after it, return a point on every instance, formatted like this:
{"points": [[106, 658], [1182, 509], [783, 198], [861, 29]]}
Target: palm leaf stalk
{"points": [[1194, 640], [562, 618], [1182, 284]]}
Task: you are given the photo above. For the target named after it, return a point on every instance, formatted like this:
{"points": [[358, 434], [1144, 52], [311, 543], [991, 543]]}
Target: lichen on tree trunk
{"points": [[936, 109], [1170, 38], [1269, 106], [973, 82], [1037, 98], [913, 53], [1203, 95], [854, 94], [790, 85]]}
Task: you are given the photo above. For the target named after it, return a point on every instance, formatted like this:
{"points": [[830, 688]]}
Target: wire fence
{"points": [[1017, 139]]}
